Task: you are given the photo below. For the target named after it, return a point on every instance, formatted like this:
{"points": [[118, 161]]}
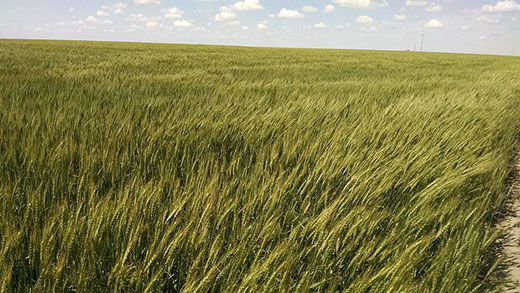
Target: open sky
{"points": [[473, 26]]}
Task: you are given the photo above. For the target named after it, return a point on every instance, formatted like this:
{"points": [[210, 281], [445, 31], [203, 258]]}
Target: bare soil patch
{"points": [[511, 224]]}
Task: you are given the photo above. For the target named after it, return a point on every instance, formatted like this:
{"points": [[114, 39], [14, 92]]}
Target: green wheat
{"points": [[148, 167]]}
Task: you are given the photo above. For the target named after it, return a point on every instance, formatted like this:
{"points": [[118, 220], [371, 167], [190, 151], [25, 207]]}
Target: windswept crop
{"points": [[148, 167]]}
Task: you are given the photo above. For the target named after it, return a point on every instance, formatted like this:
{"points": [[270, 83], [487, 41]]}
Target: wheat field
{"points": [[130, 167]]}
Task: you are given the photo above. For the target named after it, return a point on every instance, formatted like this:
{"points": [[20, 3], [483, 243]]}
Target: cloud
{"points": [[434, 7], [245, 28], [182, 23], [363, 19], [102, 13], [466, 28], [135, 26], [487, 19], [91, 19], [400, 17], [152, 24], [329, 8], [309, 9], [416, 3], [369, 29], [141, 2], [262, 26], [362, 3], [482, 38], [502, 6], [320, 25], [71, 9], [433, 23], [291, 14], [227, 17], [247, 5], [137, 17], [172, 12], [116, 8], [225, 9]]}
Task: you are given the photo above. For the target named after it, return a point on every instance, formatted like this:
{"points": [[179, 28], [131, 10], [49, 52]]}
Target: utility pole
{"points": [[415, 46], [422, 41]]}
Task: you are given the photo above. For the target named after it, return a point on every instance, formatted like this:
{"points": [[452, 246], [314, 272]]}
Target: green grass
{"points": [[151, 167]]}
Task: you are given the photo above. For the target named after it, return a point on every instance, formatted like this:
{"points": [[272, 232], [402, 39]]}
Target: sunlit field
{"points": [[179, 168]]}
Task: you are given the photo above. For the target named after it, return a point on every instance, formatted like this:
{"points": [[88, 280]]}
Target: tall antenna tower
{"points": [[422, 41]]}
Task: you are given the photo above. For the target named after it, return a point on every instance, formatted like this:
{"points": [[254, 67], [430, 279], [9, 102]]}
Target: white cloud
{"points": [[245, 28], [434, 7], [466, 28], [247, 5], [152, 24], [107, 22], [262, 26], [482, 38], [487, 19], [91, 19], [400, 17], [433, 23], [339, 26], [226, 16], [292, 14], [116, 8], [329, 8], [362, 3], [320, 25], [182, 23], [369, 29], [102, 13], [225, 9], [140, 2], [71, 9], [502, 6], [172, 12], [119, 7], [137, 17], [417, 3], [309, 8], [135, 26], [363, 19]]}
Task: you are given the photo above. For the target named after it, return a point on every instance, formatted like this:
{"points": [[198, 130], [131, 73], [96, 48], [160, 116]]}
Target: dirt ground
{"points": [[511, 223]]}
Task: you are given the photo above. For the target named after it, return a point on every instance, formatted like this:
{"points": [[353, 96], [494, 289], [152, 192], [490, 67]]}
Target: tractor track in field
{"points": [[511, 224]]}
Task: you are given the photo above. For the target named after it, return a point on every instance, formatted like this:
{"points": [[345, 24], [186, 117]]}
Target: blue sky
{"points": [[476, 26]]}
